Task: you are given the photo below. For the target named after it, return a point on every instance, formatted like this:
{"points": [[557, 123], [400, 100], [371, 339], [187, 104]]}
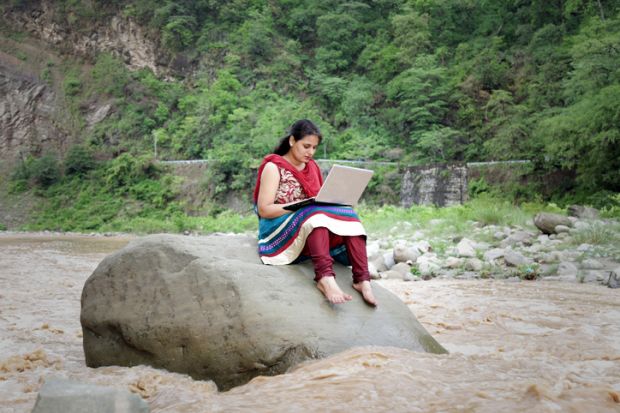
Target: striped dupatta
{"points": [[281, 240]]}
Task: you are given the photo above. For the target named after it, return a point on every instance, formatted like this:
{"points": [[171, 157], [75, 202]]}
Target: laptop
{"points": [[344, 185]]}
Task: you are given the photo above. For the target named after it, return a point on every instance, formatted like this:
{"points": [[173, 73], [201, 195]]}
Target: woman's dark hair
{"points": [[298, 131]]}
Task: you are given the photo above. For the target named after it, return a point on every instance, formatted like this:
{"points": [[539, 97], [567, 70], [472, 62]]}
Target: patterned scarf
{"points": [[309, 178]]}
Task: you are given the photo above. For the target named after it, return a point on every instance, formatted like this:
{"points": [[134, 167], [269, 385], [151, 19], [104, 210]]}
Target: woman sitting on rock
{"points": [[320, 232]]}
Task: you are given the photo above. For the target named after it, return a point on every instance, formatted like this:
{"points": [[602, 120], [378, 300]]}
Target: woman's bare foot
{"points": [[365, 289], [331, 291]]}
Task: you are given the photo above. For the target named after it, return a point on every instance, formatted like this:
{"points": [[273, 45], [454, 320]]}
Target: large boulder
{"points": [[208, 307], [583, 212], [546, 222]]}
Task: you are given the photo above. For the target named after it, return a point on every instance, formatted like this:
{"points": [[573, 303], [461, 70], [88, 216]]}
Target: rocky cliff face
{"points": [[34, 117], [118, 35], [29, 112]]}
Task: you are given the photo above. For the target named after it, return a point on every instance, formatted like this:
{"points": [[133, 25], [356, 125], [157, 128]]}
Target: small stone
{"points": [[465, 248], [372, 249], [499, 235], [584, 247], [561, 228], [582, 212], [388, 259], [64, 396], [591, 264], [403, 253], [428, 265], [515, 259], [473, 264], [547, 222], [402, 268], [379, 264], [567, 269], [613, 280], [493, 254], [423, 246], [374, 273], [581, 225], [392, 275], [453, 262]]}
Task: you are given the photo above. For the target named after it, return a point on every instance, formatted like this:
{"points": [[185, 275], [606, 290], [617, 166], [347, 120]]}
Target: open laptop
{"points": [[344, 185]]}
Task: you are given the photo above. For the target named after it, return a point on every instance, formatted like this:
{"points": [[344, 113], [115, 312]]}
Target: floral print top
{"points": [[290, 189]]}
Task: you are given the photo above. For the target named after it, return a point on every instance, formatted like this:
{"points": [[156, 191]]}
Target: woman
{"points": [[316, 231]]}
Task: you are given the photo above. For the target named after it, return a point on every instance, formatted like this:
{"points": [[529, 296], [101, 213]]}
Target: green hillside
{"points": [[419, 82]]}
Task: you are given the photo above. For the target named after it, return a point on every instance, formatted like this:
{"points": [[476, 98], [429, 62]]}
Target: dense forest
{"points": [[417, 81]]}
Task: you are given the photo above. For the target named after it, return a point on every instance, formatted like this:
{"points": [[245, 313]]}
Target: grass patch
{"points": [[598, 234]]}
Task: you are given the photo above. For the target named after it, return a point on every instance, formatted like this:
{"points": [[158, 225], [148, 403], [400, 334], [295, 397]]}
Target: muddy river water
{"points": [[514, 346]]}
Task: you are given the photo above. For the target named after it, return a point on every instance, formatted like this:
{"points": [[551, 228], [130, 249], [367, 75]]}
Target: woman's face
{"points": [[303, 149]]}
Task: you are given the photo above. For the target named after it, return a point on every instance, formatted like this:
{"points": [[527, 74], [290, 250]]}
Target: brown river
{"points": [[514, 346]]}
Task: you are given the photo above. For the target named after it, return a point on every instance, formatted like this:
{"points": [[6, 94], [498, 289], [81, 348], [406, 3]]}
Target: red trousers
{"points": [[317, 247]]}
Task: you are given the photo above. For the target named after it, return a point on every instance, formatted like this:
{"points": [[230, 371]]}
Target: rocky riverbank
{"points": [[577, 248]]}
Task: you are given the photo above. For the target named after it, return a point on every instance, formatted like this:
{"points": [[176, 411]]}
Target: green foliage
{"points": [[127, 170], [412, 81], [110, 76], [527, 271], [596, 234], [72, 85], [42, 172], [79, 160]]}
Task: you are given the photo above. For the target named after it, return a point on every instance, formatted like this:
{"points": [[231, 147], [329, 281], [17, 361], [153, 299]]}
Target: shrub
{"points": [[127, 170], [79, 160], [45, 171], [72, 85]]}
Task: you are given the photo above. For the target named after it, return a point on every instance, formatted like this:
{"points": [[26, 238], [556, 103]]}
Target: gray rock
{"points": [[493, 254], [473, 264], [64, 396], [403, 253], [453, 262], [499, 235], [465, 248], [561, 228], [584, 247], [592, 264], [613, 280], [379, 264], [547, 222], [374, 273], [583, 212], [388, 259], [543, 239], [207, 307], [422, 246], [518, 237], [402, 268], [428, 265], [563, 236], [373, 250], [392, 275], [569, 255], [566, 269], [595, 276], [581, 226], [515, 259]]}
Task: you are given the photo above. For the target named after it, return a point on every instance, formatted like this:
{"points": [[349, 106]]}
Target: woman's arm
{"points": [[269, 182]]}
